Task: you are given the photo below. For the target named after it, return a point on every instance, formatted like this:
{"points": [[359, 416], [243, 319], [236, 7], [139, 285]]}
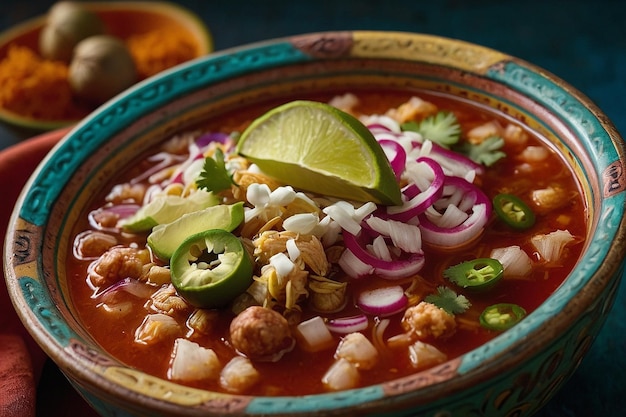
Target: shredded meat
{"points": [[426, 320], [261, 334], [118, 263], [166, 301]]}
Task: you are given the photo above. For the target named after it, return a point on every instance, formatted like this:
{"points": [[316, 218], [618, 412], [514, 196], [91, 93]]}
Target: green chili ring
{"points": [[477, 274], [501, 316], [211, 268], [513, 211]]}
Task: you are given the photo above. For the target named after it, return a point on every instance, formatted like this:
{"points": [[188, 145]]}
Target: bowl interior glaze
{"points": [[548, 343]]}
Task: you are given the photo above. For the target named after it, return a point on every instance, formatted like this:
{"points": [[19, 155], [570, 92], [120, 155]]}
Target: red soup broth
{"points": [[300, 372]]}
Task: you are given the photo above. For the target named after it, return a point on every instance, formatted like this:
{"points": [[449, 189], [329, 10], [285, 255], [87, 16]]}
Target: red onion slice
{"points": [[418, 202], [453, 163], [396, 155], [469, 199], [346, 325], [384, 301], [401, 267]]}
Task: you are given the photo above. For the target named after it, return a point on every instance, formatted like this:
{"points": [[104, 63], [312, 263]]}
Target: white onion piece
{"points": [[404, 236], [515, 261], [282, 264], [292, 250], [383, 301], [303, 223], [313, 335], [550, 245]]}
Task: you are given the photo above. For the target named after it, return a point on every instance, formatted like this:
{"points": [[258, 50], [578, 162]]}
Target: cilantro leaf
{"points": [[214, 176], [487, 152], [448, 300], [442, 128]]}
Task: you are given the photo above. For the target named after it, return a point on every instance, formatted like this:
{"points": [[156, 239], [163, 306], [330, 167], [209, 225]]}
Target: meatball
{"points": [[426, 320], [261, 334]]}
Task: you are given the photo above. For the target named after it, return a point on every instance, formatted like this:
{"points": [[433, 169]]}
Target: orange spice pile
{"points": [[157, 50], [34, 87]]}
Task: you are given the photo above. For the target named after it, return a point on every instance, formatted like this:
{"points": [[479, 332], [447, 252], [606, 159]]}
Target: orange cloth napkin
{"points": [[21, 359]]}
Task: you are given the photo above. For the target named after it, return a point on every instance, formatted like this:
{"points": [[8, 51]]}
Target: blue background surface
{"points": [[583, 42]]}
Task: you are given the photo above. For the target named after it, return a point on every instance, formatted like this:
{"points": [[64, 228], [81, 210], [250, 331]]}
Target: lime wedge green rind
{"points": [[319, 148]]}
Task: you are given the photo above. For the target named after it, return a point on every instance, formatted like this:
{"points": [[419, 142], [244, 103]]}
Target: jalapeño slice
{"points": [[477, 274], [501, 316], [513, 211], [211, 268]]}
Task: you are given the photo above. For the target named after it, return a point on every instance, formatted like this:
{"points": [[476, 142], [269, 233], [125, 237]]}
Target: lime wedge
{"points": [[166, 238], [315, 147], [166, 209]]}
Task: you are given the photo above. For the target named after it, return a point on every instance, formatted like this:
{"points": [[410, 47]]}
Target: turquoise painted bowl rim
{"points": [[40, 304]]}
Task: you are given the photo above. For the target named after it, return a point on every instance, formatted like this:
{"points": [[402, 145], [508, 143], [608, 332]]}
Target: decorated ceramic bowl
{"points": [[120, 19], [514, 373]]}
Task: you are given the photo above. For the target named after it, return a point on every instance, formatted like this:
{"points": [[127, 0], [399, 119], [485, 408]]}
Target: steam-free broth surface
{"points": [[113, 311]]}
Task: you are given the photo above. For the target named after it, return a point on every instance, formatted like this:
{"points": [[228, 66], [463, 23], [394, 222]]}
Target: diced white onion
{"points": [[292, 250], [282, 264], [303, 223], [313, 335]]}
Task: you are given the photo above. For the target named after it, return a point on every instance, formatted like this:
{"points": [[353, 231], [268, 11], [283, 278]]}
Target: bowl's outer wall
{"points": [[515, 373]]}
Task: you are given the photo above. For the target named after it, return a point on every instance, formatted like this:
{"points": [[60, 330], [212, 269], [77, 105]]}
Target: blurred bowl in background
{"points": [[123, 20]]}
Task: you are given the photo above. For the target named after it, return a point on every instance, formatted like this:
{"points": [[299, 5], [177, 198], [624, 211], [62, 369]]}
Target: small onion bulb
{"points": [[101, 68]]}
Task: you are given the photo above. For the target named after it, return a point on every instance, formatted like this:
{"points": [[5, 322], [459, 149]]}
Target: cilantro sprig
{"points": [[448, 300], [214, 176], [442, 128], [487, 152]]}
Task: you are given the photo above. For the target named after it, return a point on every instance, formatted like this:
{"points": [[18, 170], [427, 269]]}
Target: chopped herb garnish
{"points": [[448, 300], [487, 152], [442, 128], [214, 176]]}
